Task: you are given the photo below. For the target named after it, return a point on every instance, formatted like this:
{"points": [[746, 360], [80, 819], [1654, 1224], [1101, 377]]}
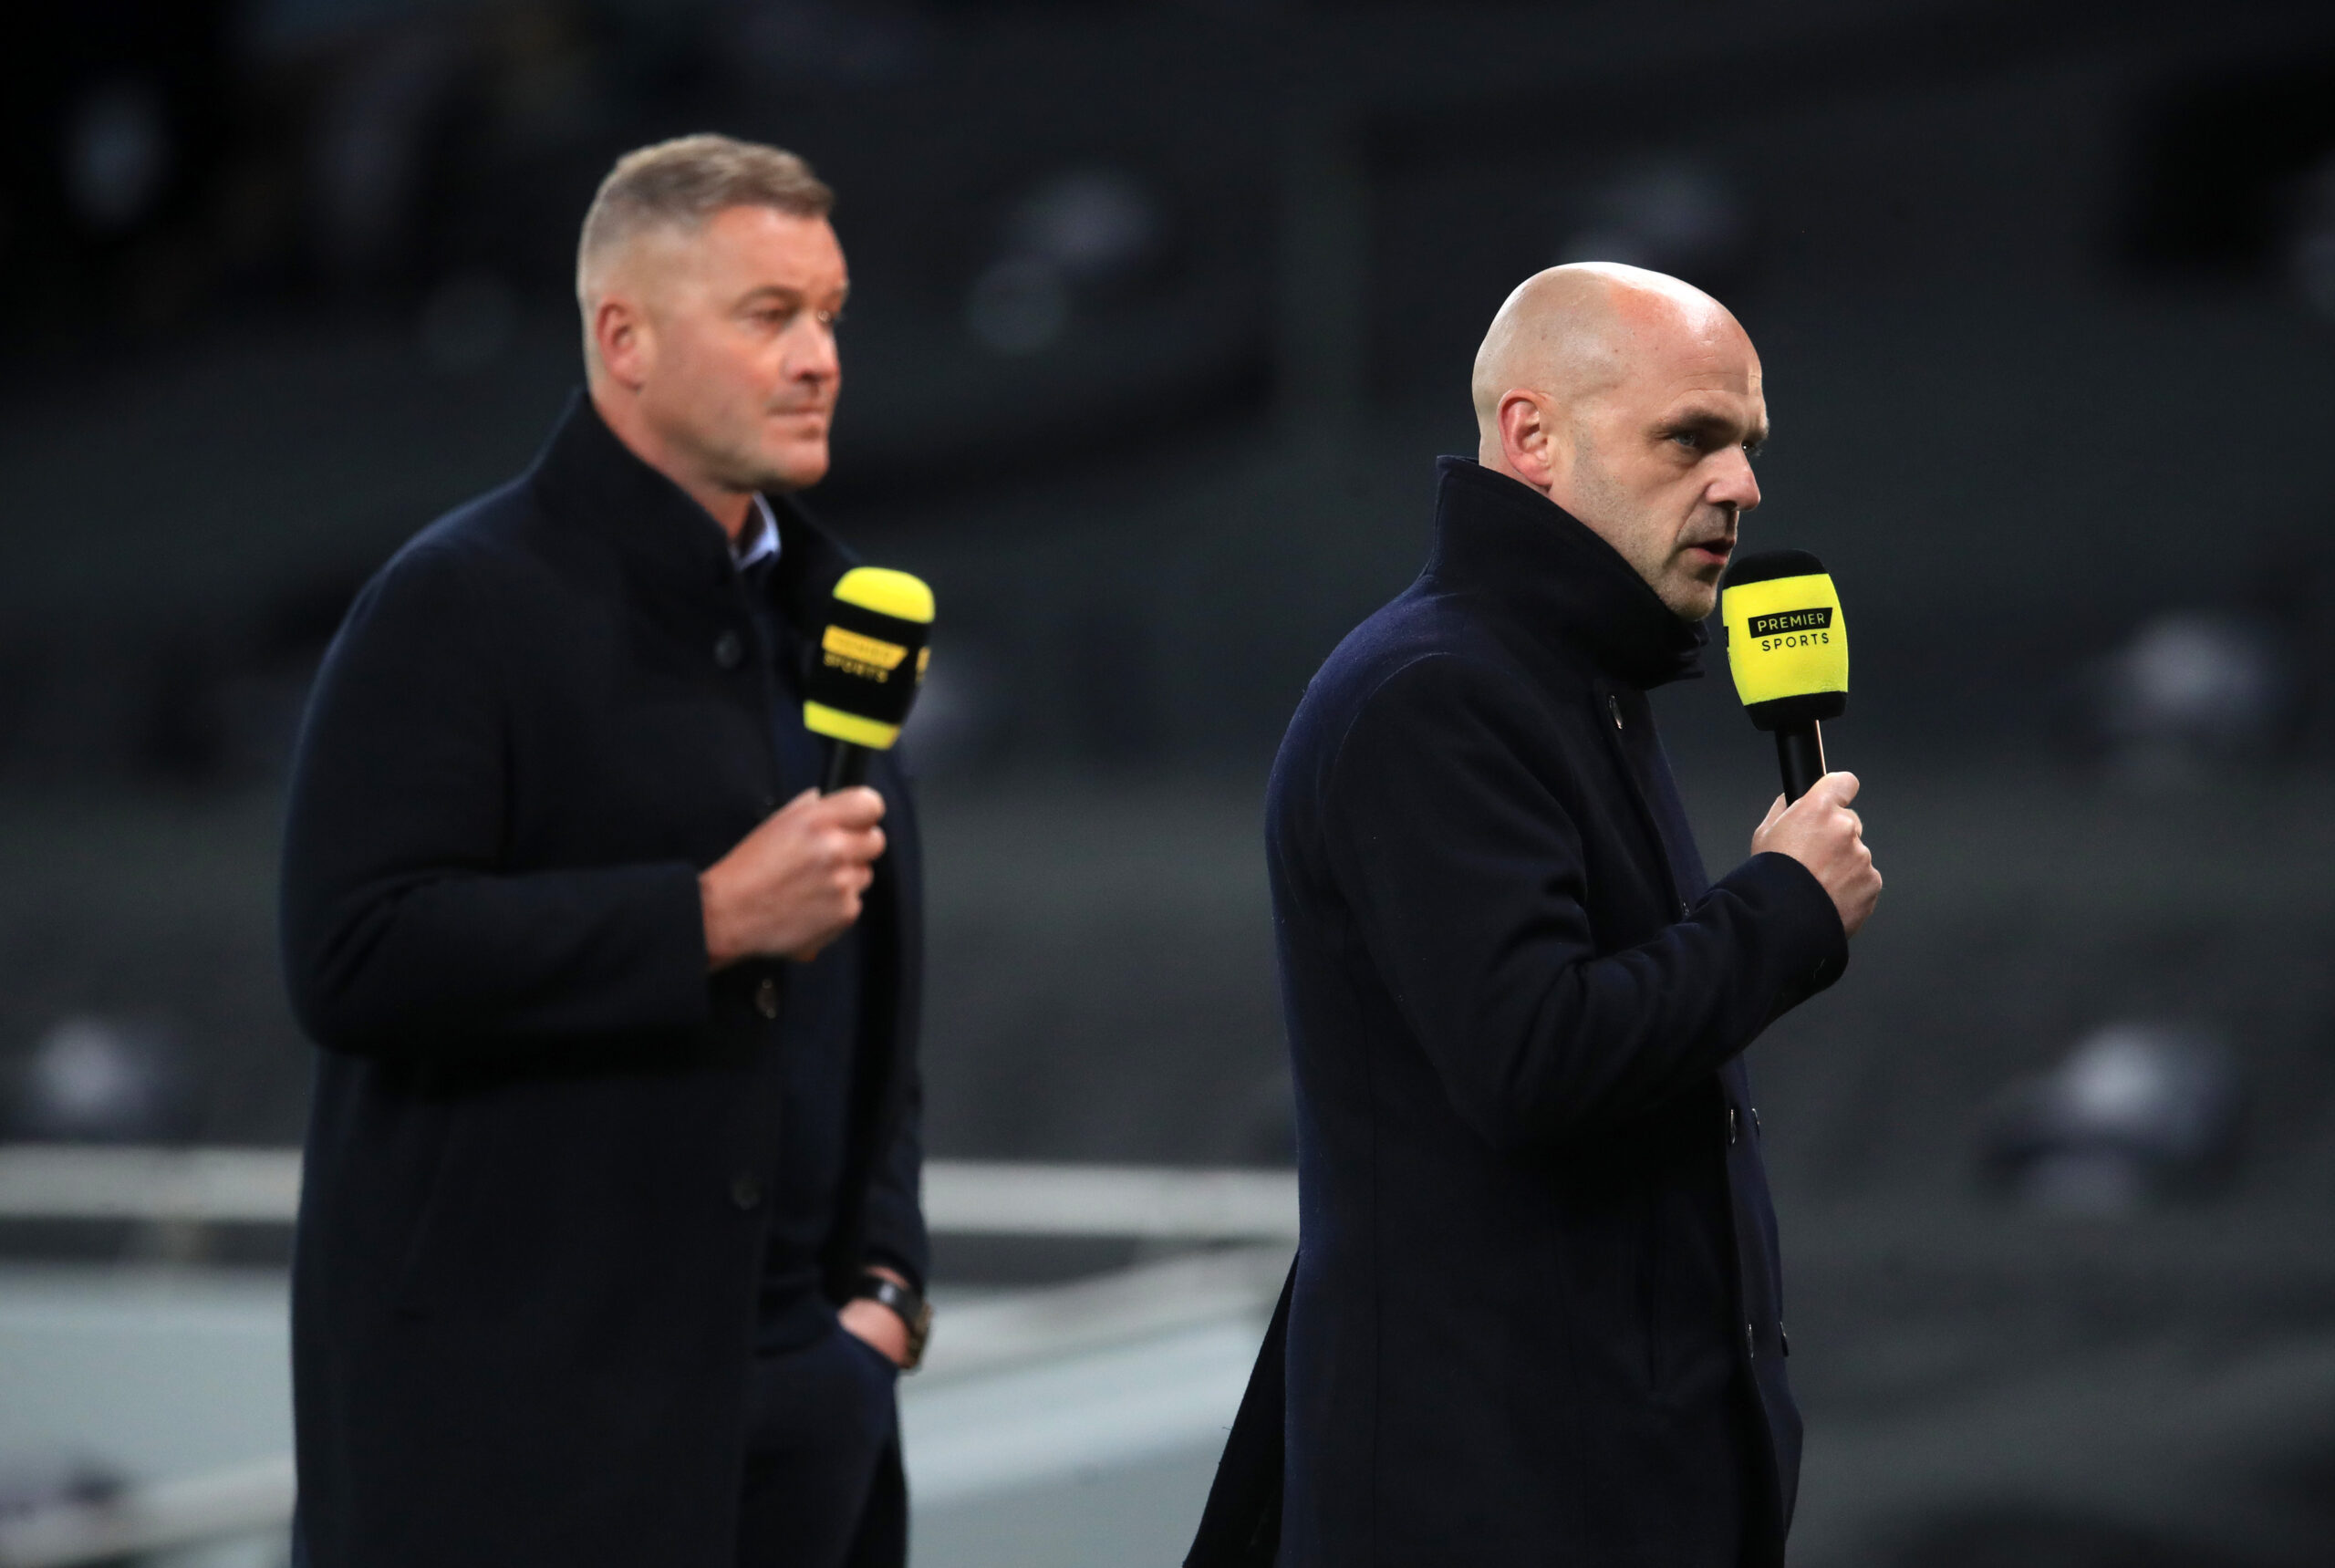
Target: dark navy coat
{"points": [[534, 1215], [1534, 1317]]}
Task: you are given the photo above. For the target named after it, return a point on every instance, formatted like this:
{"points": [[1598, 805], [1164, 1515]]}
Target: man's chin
{"points": [[794, 467], [1691, 598]]}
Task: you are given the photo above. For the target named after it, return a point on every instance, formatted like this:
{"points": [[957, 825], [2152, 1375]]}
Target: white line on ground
{"points": [[248, 1498], [262, 1186], [1093, 1411]]}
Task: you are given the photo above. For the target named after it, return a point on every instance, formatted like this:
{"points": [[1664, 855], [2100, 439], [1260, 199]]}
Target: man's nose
{"points": [[812, 354], [1736, 485]]}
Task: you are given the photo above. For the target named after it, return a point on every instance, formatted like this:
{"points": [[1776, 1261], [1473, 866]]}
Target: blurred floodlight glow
{"points": [[2134, 1112], [2310, 246], [1092, 231], [1020, 306], [2191, 689], [1670, 215], [2191, 671], [95, 1079], [116, 153], [1096, 226]]}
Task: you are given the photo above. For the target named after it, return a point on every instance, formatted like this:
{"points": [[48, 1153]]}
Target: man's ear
{"points": [[624, 340], [1530, 440]]}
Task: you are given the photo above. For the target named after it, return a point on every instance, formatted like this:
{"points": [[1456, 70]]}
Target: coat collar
{"points": [[1557, 582], [586, 477]]}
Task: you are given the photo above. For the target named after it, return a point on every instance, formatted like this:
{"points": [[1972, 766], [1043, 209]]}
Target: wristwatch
{"points": [[913, 1311]]}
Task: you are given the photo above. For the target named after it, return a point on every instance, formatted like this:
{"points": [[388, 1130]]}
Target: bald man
{"points": [[609, 1247], [1535, 1311]]}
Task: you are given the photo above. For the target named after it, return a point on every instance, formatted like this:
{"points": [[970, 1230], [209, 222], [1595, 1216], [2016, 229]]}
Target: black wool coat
{"points": [[534, 1215], [1534, 1317]]}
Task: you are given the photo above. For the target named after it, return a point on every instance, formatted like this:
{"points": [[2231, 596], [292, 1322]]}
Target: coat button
{"points": [[1613, 706], [1755, 1121], [766, 997], [729, 650], [1730, 1126], [1750, 1341], [745, 1191], [1784, 1338]]}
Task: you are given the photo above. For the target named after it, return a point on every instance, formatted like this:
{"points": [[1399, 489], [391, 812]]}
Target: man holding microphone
{"points": [[610, 1246], [1536, 1312]]}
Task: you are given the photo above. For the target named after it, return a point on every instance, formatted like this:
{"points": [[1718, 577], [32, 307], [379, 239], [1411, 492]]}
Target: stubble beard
{"points": [[740, 463], [1694, 599], [1655, 553]]}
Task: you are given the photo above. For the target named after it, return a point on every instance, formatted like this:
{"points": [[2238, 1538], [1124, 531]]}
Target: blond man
{"points": [[610, 1248]]}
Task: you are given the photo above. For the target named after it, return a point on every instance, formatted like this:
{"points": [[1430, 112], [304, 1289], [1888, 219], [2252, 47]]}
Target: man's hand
{"points": [[1821, 833], [877, 1323], [793, 885]]}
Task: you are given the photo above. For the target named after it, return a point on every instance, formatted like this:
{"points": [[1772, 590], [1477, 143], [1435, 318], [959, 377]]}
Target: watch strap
{"points": [[908, 1306]]}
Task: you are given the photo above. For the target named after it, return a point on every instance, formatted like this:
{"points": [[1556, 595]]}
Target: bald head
{"points": [[1575, 330], [1634, 402]]}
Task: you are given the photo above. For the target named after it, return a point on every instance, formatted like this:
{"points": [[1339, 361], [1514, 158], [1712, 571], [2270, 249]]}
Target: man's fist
{"points": [[1821, 833], [793, 885]]}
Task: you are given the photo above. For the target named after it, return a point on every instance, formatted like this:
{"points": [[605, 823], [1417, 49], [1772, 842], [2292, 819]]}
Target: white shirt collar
{"points": [[763, 541]]}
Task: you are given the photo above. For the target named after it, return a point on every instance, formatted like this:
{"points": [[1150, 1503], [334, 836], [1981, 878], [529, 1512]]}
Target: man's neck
{"points": [[733, 509]]}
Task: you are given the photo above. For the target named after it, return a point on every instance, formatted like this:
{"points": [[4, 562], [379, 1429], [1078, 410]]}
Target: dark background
{"points": [[1161, 313]]}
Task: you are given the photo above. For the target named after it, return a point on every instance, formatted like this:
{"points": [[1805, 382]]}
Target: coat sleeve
{"points": [[895, 1232], [1467, 880], [402, 931]]}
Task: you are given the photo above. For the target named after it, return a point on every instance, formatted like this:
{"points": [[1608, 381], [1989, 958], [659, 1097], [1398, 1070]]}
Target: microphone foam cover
{"points": [[871, 658], [1786, 642]]}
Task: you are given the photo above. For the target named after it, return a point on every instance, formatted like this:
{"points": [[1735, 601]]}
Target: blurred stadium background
{"points": [[1161, 313]]}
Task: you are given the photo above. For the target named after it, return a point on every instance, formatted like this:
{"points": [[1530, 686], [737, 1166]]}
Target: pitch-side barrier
{"points": [[203, 1186], [965, 1198]]}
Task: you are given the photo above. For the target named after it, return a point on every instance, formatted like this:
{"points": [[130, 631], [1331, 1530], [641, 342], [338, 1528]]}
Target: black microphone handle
{"points": [[1800, 752], [847, 766]]}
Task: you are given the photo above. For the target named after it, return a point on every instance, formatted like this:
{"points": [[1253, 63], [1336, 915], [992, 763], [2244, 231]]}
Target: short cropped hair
{"points": [[683, 183]]}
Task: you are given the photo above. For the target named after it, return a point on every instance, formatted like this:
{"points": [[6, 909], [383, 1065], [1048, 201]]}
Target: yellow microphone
{"points": [[1788, 650], [871, 659]]}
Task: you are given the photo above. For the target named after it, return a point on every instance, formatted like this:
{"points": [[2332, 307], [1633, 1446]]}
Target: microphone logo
{"points": [[857, 654], [1817, 619]]}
